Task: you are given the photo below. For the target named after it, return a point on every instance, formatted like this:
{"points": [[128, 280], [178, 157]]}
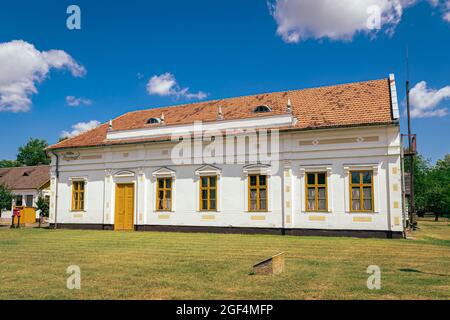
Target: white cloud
{"points": [[166, 85], [298, 20], [447, 16], [425, 102], [22, 67], [443, 6], [433, 3], [341, 20], [76, 102], [80, 128]]}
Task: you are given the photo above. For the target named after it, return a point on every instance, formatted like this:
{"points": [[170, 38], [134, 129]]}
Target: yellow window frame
{"points": [[164, 190], [78, 195], [258, 188], [316, 187], [361, 185], [208, 189]]}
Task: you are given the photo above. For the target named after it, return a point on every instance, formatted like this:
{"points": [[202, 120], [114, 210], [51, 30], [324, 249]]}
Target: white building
{"points": [[330, 164]]}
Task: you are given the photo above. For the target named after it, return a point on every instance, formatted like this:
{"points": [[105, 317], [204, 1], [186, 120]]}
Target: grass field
{"points": [[147, 265]]}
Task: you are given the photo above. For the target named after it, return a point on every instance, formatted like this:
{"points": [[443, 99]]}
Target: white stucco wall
{"points": [[335, 151], [24, 193]]}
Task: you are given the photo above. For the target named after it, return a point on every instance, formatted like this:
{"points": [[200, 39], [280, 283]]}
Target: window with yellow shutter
{"points": [[78, 195], [164, 194], [257, 192], [316, 192], [208, 193], [361, 191]]}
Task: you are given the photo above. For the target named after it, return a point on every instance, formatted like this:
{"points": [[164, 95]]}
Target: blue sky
{"points": [[221, 48]]}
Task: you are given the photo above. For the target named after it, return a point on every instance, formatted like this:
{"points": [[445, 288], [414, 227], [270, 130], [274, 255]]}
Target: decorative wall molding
{"points": [[70, 156], [257, 169], [208, 170], [317, 141], [124, 174], [316, 168], [164, 172], [350, 167]]}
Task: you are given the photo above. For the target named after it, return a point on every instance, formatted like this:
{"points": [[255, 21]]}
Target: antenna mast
{"points": [[411, 152]]}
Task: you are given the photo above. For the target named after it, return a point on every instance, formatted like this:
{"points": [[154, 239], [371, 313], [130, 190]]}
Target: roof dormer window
{"points": [[153, 121], [262, 109]]}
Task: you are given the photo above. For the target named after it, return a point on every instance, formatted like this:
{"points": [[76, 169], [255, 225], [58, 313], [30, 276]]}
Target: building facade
{"points": [[314, 161], [26, 184]]}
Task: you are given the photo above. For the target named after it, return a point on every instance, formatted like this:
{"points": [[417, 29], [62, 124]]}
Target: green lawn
{"points": [[148, 265]]}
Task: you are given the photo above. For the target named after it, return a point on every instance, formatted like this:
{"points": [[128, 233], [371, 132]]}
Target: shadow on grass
{"points": [[422, 272]]}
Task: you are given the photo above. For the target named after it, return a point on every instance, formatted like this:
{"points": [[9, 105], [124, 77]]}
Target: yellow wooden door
{"points": [[124, 207]]}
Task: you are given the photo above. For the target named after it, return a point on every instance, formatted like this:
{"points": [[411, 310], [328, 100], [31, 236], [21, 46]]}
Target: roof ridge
{"points": [[23, 167]]}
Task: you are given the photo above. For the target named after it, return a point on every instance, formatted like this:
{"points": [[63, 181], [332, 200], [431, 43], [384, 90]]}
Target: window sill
{"points": [[362, 212], [316, 212], [78, 211]]}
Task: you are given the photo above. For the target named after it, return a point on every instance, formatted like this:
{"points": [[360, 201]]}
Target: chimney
{"points": [[289, 106], [110, 126], [219, 114]]}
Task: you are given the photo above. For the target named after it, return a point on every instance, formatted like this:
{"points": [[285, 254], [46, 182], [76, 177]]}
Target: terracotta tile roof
{"points": [[20, 178], [360, 103]]}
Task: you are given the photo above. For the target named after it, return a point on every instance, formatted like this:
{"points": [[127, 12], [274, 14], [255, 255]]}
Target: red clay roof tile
{"points": [[360, 103]]}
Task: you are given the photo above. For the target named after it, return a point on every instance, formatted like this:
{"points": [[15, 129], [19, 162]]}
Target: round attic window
{"points": [[153, 121], [261, 109]]}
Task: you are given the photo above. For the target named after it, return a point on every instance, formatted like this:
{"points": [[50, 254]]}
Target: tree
{"points": [[439, 187], [431, 185], [5, 198], [421, 169], [9, 163], [33, 153], [42, 205]]}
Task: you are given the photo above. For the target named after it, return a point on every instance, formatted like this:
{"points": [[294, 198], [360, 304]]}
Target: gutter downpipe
{"points": [[402, 166], [283, 213], [56, 188]]}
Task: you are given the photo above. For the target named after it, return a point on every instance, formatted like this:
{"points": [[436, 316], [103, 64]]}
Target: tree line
{"points": [[431, 185], [31, 154]]}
